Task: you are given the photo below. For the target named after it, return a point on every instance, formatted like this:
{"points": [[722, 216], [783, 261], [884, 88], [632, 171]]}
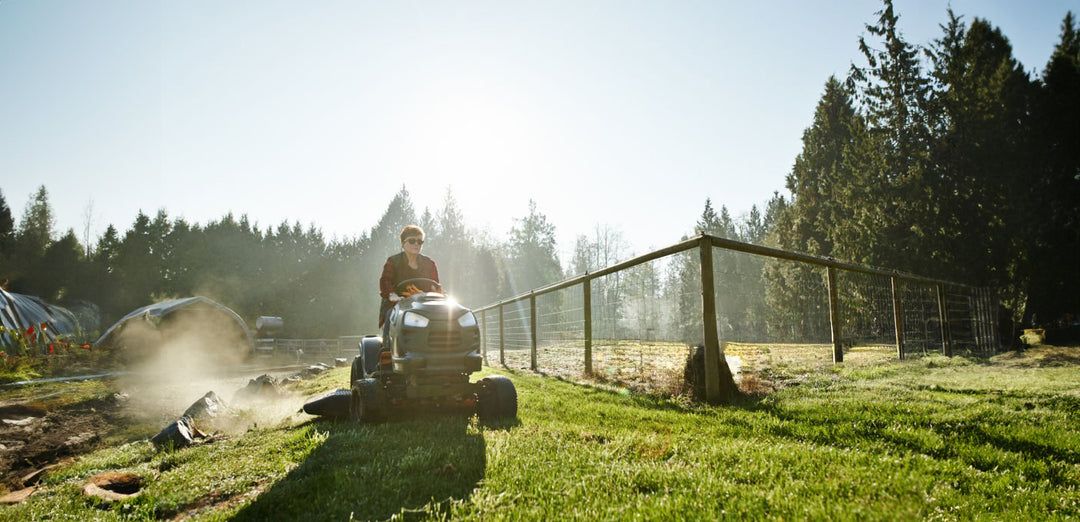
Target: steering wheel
{"points": [[401, 287]]}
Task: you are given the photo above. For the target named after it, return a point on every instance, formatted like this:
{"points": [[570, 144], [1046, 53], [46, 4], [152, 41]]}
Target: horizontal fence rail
{"points": [[761, 309]]}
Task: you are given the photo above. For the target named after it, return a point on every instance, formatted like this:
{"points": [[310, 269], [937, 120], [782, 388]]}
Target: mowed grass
{"points": [[931, 438]]}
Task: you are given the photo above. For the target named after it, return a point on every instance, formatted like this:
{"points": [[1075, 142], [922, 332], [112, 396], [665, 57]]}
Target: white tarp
{"points": [[33, 317], [155, 313]]}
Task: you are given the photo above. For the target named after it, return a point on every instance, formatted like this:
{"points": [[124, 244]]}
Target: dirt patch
{"points": [[32, 437], [1042, 356], [46, 429]]}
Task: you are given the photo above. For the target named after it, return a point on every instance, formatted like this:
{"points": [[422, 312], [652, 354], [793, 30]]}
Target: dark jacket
{"points": [[396, 270]]}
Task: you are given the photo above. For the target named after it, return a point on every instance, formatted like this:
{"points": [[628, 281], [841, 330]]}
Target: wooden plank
{"points": [[532, 332], [727, 244], [708, 318], [502, 337], [943, 319], [483, 337], [586, 288], [898, 319], [834, 317]]}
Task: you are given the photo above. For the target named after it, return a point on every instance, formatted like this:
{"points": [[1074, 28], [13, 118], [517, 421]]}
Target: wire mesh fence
{"points": [[560, 331], [637, 334], [516, 335], [775, 313]]}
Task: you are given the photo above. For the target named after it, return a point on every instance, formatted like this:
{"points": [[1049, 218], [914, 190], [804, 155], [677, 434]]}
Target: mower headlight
{"points": [[468, 319], [415, 320]]}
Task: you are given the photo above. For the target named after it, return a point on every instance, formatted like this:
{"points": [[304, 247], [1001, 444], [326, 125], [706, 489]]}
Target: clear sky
{"points": [[621, 113]]}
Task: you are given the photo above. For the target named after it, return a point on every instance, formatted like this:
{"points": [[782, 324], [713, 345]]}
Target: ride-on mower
{"points": [[431, 346]]}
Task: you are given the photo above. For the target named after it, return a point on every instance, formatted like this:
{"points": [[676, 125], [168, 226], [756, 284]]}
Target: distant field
{"points": [[927, 439]]}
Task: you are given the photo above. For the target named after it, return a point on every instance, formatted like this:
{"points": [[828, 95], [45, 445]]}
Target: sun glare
{"points": [[471, 129]]}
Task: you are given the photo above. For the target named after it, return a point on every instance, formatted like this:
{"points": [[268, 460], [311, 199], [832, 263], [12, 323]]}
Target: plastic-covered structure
{"points": [[188, 314], [33, 318]]}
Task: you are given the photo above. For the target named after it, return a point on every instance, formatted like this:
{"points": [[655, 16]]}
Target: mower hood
{"points": [[433, 305]]}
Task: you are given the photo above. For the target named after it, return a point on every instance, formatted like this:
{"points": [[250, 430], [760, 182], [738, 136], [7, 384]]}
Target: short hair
{"points": [[411, 231]]}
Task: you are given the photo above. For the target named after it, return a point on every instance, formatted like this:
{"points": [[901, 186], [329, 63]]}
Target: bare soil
{"points": [[37, 432], [32, 437]]}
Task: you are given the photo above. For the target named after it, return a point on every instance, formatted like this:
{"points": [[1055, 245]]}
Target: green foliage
{"points": [[1055, 239], [37, 223], [25, 250], [7, 237], [532, 257], [16, 368], [965, 171], [322, 288]]}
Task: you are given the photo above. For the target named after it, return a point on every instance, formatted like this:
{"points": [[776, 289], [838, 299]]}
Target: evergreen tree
{"points": [[383, 242], [892, 156], [981, 112], [822, 182], [7, 240], [449, 244], [35, 233], [102, 281], [7, 225], [753, 229], [135, 267], [36, 226], [534, 261], [385, 236], [1054, 212], [58, 273], [709, 222]]}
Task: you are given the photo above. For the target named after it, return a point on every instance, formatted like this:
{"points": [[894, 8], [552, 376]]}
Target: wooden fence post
{"points": [[483, 336], [898, 319], [992, 308], [984, 320], [834, 317], [943, 319], [502, 337], [587, 297], [708, 317], [532, 331]]}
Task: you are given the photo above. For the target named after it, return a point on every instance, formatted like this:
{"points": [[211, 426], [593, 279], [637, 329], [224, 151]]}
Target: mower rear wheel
{"points": [[497, 399], [368, 402], [357, 371]]}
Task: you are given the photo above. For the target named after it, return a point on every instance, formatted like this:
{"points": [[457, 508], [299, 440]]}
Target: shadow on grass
{"points": [[983, 442], [616, 391], [608, 389], [416, 467]]}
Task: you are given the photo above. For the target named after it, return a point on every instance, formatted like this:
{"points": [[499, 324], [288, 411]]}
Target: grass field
{"points": [[927, 439]]}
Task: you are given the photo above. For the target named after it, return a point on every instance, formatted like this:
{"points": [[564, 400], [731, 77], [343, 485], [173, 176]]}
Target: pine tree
{"points": [[981, 108], [534, 261], [892, 156], [37, 224], [1054, 211], [822, 182], [7, 241], [57, 275]]}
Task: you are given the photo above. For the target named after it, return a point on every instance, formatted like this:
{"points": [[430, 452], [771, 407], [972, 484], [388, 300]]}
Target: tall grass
{"points": [[928, 439]]}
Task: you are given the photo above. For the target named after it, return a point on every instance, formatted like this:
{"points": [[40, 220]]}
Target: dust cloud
{"points": [[173, 361]]}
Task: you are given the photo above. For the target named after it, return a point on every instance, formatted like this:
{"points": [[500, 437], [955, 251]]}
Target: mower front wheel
{"points": [[368, 403], [497, 399]]}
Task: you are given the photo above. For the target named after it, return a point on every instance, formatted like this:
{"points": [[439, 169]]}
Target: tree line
{"points": [[323, 288], [947, 160]]}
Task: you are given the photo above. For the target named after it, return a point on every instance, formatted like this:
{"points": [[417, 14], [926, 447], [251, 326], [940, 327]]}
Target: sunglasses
{"points": [[414, 241]]}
